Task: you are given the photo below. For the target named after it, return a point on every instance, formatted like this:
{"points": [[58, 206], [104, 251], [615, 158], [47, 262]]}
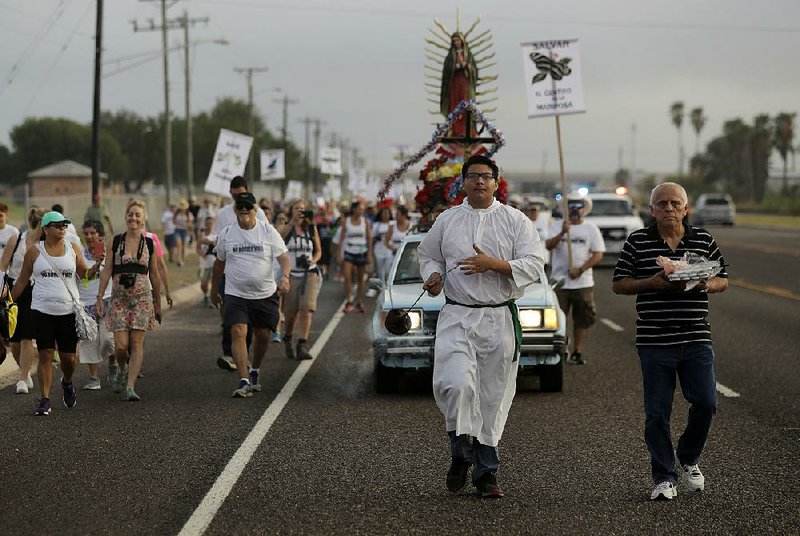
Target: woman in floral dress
{"points": [[135, 295]]}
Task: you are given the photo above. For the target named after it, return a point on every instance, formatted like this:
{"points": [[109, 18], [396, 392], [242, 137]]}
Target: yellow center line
{"points": [[775, 291]]}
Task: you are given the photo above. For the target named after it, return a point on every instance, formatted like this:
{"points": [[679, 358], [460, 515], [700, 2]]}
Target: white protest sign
{"points": [[273, 164], [230, 160], [294, 190], [330, 161], [332, 190], [553, 81]]}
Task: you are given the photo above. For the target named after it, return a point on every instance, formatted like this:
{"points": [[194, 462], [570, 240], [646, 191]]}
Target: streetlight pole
{"points": [[98, 53]]}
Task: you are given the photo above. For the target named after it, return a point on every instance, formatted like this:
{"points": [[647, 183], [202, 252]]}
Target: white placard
{"points": [[333, 190], [294, 190], [356, 179], [230, 160], [330, 161], [273, 164], [553, 77]]}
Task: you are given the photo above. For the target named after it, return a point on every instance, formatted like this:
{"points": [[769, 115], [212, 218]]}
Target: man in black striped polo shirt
{"points": [[672, 335]]}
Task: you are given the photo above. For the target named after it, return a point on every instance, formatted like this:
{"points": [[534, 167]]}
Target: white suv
{"points": [[616, 217]]}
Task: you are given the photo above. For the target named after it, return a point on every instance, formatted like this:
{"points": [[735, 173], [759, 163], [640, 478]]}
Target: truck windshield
{"points": [[408, 266], [611, 207]]}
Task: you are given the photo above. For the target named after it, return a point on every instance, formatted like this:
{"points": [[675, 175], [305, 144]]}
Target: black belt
{"points": [[512, 306]]}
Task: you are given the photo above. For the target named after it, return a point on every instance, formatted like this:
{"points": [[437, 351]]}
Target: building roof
{"points": [[65, 168]]}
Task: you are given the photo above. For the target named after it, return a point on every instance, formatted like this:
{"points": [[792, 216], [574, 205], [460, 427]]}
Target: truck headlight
{"points": [[416, 319], [530, 318], [551, 318]]}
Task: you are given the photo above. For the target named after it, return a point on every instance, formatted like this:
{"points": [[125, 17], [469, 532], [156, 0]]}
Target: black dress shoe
{"points": [[457, 475], [488, 488], [302, 351]]}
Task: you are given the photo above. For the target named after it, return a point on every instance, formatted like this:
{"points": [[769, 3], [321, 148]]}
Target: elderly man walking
{"points": [[478, 334], [673, 337], [245, 254]]}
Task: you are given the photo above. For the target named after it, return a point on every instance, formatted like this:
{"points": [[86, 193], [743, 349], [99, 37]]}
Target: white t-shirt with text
{"points": [[249, 255]]}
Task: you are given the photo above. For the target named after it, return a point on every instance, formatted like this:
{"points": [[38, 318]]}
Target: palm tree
{"points": [[784, 137], [698, 122], [676, 111]]}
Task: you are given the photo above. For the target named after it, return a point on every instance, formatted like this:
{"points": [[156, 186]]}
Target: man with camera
{"points": [[245, 254], [305, 249]]}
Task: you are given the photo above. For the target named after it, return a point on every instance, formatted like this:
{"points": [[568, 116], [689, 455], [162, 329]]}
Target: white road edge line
{"points": [[612, 325], [727, 391], [205, 512]]}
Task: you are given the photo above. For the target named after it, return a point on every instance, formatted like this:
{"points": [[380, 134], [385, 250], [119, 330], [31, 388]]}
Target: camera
{"points": [[302, 262], [127, 280], [308, 214]]}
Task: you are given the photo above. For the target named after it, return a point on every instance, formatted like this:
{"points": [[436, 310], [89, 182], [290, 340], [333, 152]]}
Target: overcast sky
{"points": [[359, 65]]}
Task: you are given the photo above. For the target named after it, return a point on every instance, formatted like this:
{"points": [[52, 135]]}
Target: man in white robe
{"points": [[497, 252]]}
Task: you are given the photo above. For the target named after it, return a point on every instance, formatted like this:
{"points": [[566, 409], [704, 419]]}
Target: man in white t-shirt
{"points": [[577, 293], [246, 252], [7, 232], [168, 230]]}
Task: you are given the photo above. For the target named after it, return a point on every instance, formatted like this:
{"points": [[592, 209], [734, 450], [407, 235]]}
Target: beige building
{"points": [[63, 178]]}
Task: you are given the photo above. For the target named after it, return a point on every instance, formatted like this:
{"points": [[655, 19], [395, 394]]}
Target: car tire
{"points": [[386, 378], [551, 379]]}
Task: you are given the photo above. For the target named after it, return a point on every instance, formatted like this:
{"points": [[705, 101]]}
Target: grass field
{"points": [[768, 220]]}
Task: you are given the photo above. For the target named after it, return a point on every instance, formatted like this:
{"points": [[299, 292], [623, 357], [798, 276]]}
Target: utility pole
{"points": [[167, 118], [317, 133], [248, 72], [98, 52], [185, 21], [286, 101], [307, 121]]}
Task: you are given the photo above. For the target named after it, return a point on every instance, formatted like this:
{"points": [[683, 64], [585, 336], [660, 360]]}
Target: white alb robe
{"points": [[474, 377]]}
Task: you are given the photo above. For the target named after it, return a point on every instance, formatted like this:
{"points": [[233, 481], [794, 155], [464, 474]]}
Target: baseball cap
{"points": [[244, 199], [53, 217]]}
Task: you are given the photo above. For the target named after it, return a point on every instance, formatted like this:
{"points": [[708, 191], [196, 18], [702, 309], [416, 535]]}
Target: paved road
{"points": [[340, 459]]}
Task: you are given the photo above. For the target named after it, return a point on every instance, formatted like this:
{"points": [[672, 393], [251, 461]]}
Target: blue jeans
{"points": [[693, 364], [485, 458]]}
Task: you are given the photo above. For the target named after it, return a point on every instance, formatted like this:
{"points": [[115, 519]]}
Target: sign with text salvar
{"points": [[230, 160], [330, 161], [553, 81], [273, 164]]}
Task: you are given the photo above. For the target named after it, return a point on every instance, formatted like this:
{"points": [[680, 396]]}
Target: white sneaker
{"points": [[664, 491], [371, 293], [22, 388], [29, 382], [693, 478]]}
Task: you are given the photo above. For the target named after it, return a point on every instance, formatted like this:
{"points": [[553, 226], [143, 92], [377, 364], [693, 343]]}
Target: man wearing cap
{"points": [[588, 246], [495, 249], [225, 217], [246, 252]]}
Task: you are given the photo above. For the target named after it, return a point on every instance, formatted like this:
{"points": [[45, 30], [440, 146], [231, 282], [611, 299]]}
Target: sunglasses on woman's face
{"points": [[60, 225]]}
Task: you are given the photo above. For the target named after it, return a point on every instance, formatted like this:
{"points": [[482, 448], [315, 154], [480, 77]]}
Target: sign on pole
{"points": [[333, 190], [330, 161], [230, 160], [356, 179], [553, 77], [294, 190], [273, 164]]}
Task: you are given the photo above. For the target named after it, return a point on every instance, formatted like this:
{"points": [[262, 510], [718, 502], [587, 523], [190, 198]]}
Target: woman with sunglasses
{"points": [[53, 264], [135, 296]]}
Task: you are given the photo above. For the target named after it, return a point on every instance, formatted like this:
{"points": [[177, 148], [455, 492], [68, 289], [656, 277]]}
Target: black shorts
{"points": [[55, 332], [356, 259], [261, 313], [25, 321]]}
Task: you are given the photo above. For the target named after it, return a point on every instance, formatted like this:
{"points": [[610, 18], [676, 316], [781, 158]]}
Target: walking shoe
{"points": [[488, 488], [287, 347], [360, 308], [457, 475], [276, 336], [92, 385], [43, 408], [254, 383], [22, 388], [29, 382], [664, 491], [206, 301], [113, 374], [348, 307], [302, 350], [693, 478], [243, 391], [576, 358], [225, 362], [122, 381], [371, 293], [131, 396], [70, 396]]}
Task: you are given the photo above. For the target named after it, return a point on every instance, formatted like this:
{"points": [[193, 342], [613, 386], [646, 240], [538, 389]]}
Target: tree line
{"points": [[132, 146], [738, 160]]}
